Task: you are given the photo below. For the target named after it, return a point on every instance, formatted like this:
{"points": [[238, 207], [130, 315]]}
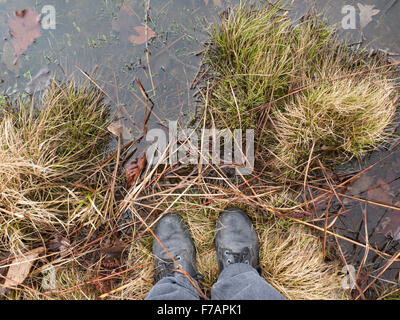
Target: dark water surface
{"points": [[104, 38]]}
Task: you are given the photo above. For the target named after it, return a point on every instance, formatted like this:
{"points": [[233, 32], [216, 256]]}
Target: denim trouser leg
{"points": [[241, 281], [174, 288], [238, 281]]}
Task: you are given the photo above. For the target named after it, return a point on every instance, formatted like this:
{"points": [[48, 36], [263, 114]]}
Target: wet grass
{"points": [[307, 95], [47, 151], [311, 101]]}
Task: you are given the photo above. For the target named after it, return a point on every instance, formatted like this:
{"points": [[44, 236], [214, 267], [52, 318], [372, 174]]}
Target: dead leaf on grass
{"points": [[60, 244], [115, 250], [20, 267], [134, 169]]}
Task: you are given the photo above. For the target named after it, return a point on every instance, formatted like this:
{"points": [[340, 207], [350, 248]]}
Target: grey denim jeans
{"points": [[238, 281]]}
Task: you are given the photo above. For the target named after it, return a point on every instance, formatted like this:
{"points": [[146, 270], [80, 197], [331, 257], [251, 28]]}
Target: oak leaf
{"points": [[24, 29]]}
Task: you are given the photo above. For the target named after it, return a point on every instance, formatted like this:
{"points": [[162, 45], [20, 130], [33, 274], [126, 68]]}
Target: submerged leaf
{"points": [[24, 29], [378, 194], [8, 58], [390, 225], [115, 128], [362, 184], [129, 21], [141, 37]]}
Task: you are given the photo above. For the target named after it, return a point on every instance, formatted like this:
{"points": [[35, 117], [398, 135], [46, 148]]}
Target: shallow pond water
{"points": [[105, 40]]}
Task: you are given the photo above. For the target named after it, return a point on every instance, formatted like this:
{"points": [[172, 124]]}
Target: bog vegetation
{"points": [[313, 103]]}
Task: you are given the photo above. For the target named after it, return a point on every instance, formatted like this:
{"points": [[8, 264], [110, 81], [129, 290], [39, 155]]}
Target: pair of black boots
{"points": [[236, 242]]}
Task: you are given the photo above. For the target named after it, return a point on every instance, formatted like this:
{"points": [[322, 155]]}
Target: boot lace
{"points": [[167, 268], [237, 257]]}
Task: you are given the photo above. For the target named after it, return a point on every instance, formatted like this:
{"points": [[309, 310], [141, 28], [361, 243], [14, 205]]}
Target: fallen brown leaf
{"points": [[134, 169], [24, 29], [141, 37], [114, 250], [20, 267], [129, 21], [217, 3]]}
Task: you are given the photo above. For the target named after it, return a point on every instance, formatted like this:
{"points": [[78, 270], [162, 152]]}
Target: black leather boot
{"points": [[236, 240], [176, 238]]}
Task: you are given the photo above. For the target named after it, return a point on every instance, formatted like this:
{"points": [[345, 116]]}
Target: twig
{"points": [[389, 263], [147, 45], [347, 267]]}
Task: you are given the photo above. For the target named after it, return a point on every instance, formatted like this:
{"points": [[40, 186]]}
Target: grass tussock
{"points": [[342, 119], [300, 88], [43, 152], [293, 263]]}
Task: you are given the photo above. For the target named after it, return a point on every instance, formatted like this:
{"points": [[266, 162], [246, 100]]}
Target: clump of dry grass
{"points": [[335, 120], [44, 150], [292, 262]]}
